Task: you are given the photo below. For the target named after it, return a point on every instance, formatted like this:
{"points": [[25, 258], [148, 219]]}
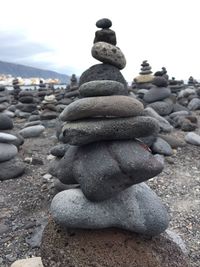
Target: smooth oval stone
{"points": [[156, 94], [137, 209], [147, 78], [102, 72], [194, 104], [193, 138], [7, 151], [25, 93], [7, 138], [104, 106], [173, 141], [32, 131], [5, 122], [104, 23], [32, 123], [108, 53], [88, 131], [26, 99], [26, 107], [102, 88], [162, 108], [160, 81], [160, 146]]}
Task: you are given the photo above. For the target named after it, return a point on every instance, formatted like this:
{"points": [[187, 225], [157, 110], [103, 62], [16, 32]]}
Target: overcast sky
{"points": [[58, 34]]}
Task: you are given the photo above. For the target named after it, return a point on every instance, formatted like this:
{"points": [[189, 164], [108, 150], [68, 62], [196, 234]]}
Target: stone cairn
{"points": [[4, 99], [42, 90], [72, 88], [103, 156], [16, 89], [144, 80]]}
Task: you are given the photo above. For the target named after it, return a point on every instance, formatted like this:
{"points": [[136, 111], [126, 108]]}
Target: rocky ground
{"points": [[24, 202]]}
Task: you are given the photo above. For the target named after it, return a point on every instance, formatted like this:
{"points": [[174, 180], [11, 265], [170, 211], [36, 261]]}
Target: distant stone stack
{"points": [[192, 81], [42, 90], [4, 99], [48, 108], [72, 89], [144, 80], [104, 156], [27, 104], [16, 89]]}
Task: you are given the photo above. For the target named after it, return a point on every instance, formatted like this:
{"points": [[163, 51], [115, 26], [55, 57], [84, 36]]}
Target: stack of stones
{"points": [[144, 80], [72, 88], [27, 104], [106, 159], [16, 89], [11, 165], [42, 90], [192, 82], [4, 99], [48, 108], [158, 97]]}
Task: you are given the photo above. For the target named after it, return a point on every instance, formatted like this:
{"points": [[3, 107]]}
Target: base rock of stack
{"points": [[11, 169], [107, 248]]}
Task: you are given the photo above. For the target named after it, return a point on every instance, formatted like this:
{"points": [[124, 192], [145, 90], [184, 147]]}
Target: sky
{"points": [[58, 34]]}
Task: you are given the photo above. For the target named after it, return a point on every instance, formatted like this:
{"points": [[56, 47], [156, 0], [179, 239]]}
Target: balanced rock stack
{"points": [[72, 89], [144, 80], [11, 165], [158, 97], [27, 104], [42, 90], [4, 99], [109, 163], [16, 89], [48, 107]]}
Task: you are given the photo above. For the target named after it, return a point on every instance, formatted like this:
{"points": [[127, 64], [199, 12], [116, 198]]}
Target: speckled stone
{"points": [[110, 54], [105, 106], [108, 248], [102, 72], [93, 130]]}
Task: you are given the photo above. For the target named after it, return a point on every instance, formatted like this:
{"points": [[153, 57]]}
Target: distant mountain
{"points": [[23, 71]]}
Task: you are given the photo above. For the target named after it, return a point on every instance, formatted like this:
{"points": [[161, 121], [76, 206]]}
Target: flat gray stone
{"points": [[160, 146], [104, 169], [32, 131], [137, 209], [156, 94], [103, 106], [193, 138], [7, 151], [11, 169], [108, 53], [93, 130], [173, 141], [5, 122], [102, 88], [7, 138]]}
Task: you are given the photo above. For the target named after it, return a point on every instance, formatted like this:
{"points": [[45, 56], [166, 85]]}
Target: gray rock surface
{"points": [[194, 104], [137, 209], [88, 131], [156, 94], [32, 131], [102, 88], [193, 138], [160, 146], [108, 53], [11, 169], [7, 151], [102, 106], [162, 108], [5, 122], [105, 168]]}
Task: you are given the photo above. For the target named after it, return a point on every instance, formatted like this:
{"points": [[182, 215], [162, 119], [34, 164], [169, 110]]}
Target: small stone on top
{"points": [[104, 23]]}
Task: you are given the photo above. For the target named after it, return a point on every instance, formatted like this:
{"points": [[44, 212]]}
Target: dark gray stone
{"points": [[162, 108], [11, 169], [105, 35], [59, 150], [156, 94], [160, 146], [104, 23], [102, 72], [194, 104], [102, 88], [7, 151], [88, 131], [105, 168], [5, 122]]}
